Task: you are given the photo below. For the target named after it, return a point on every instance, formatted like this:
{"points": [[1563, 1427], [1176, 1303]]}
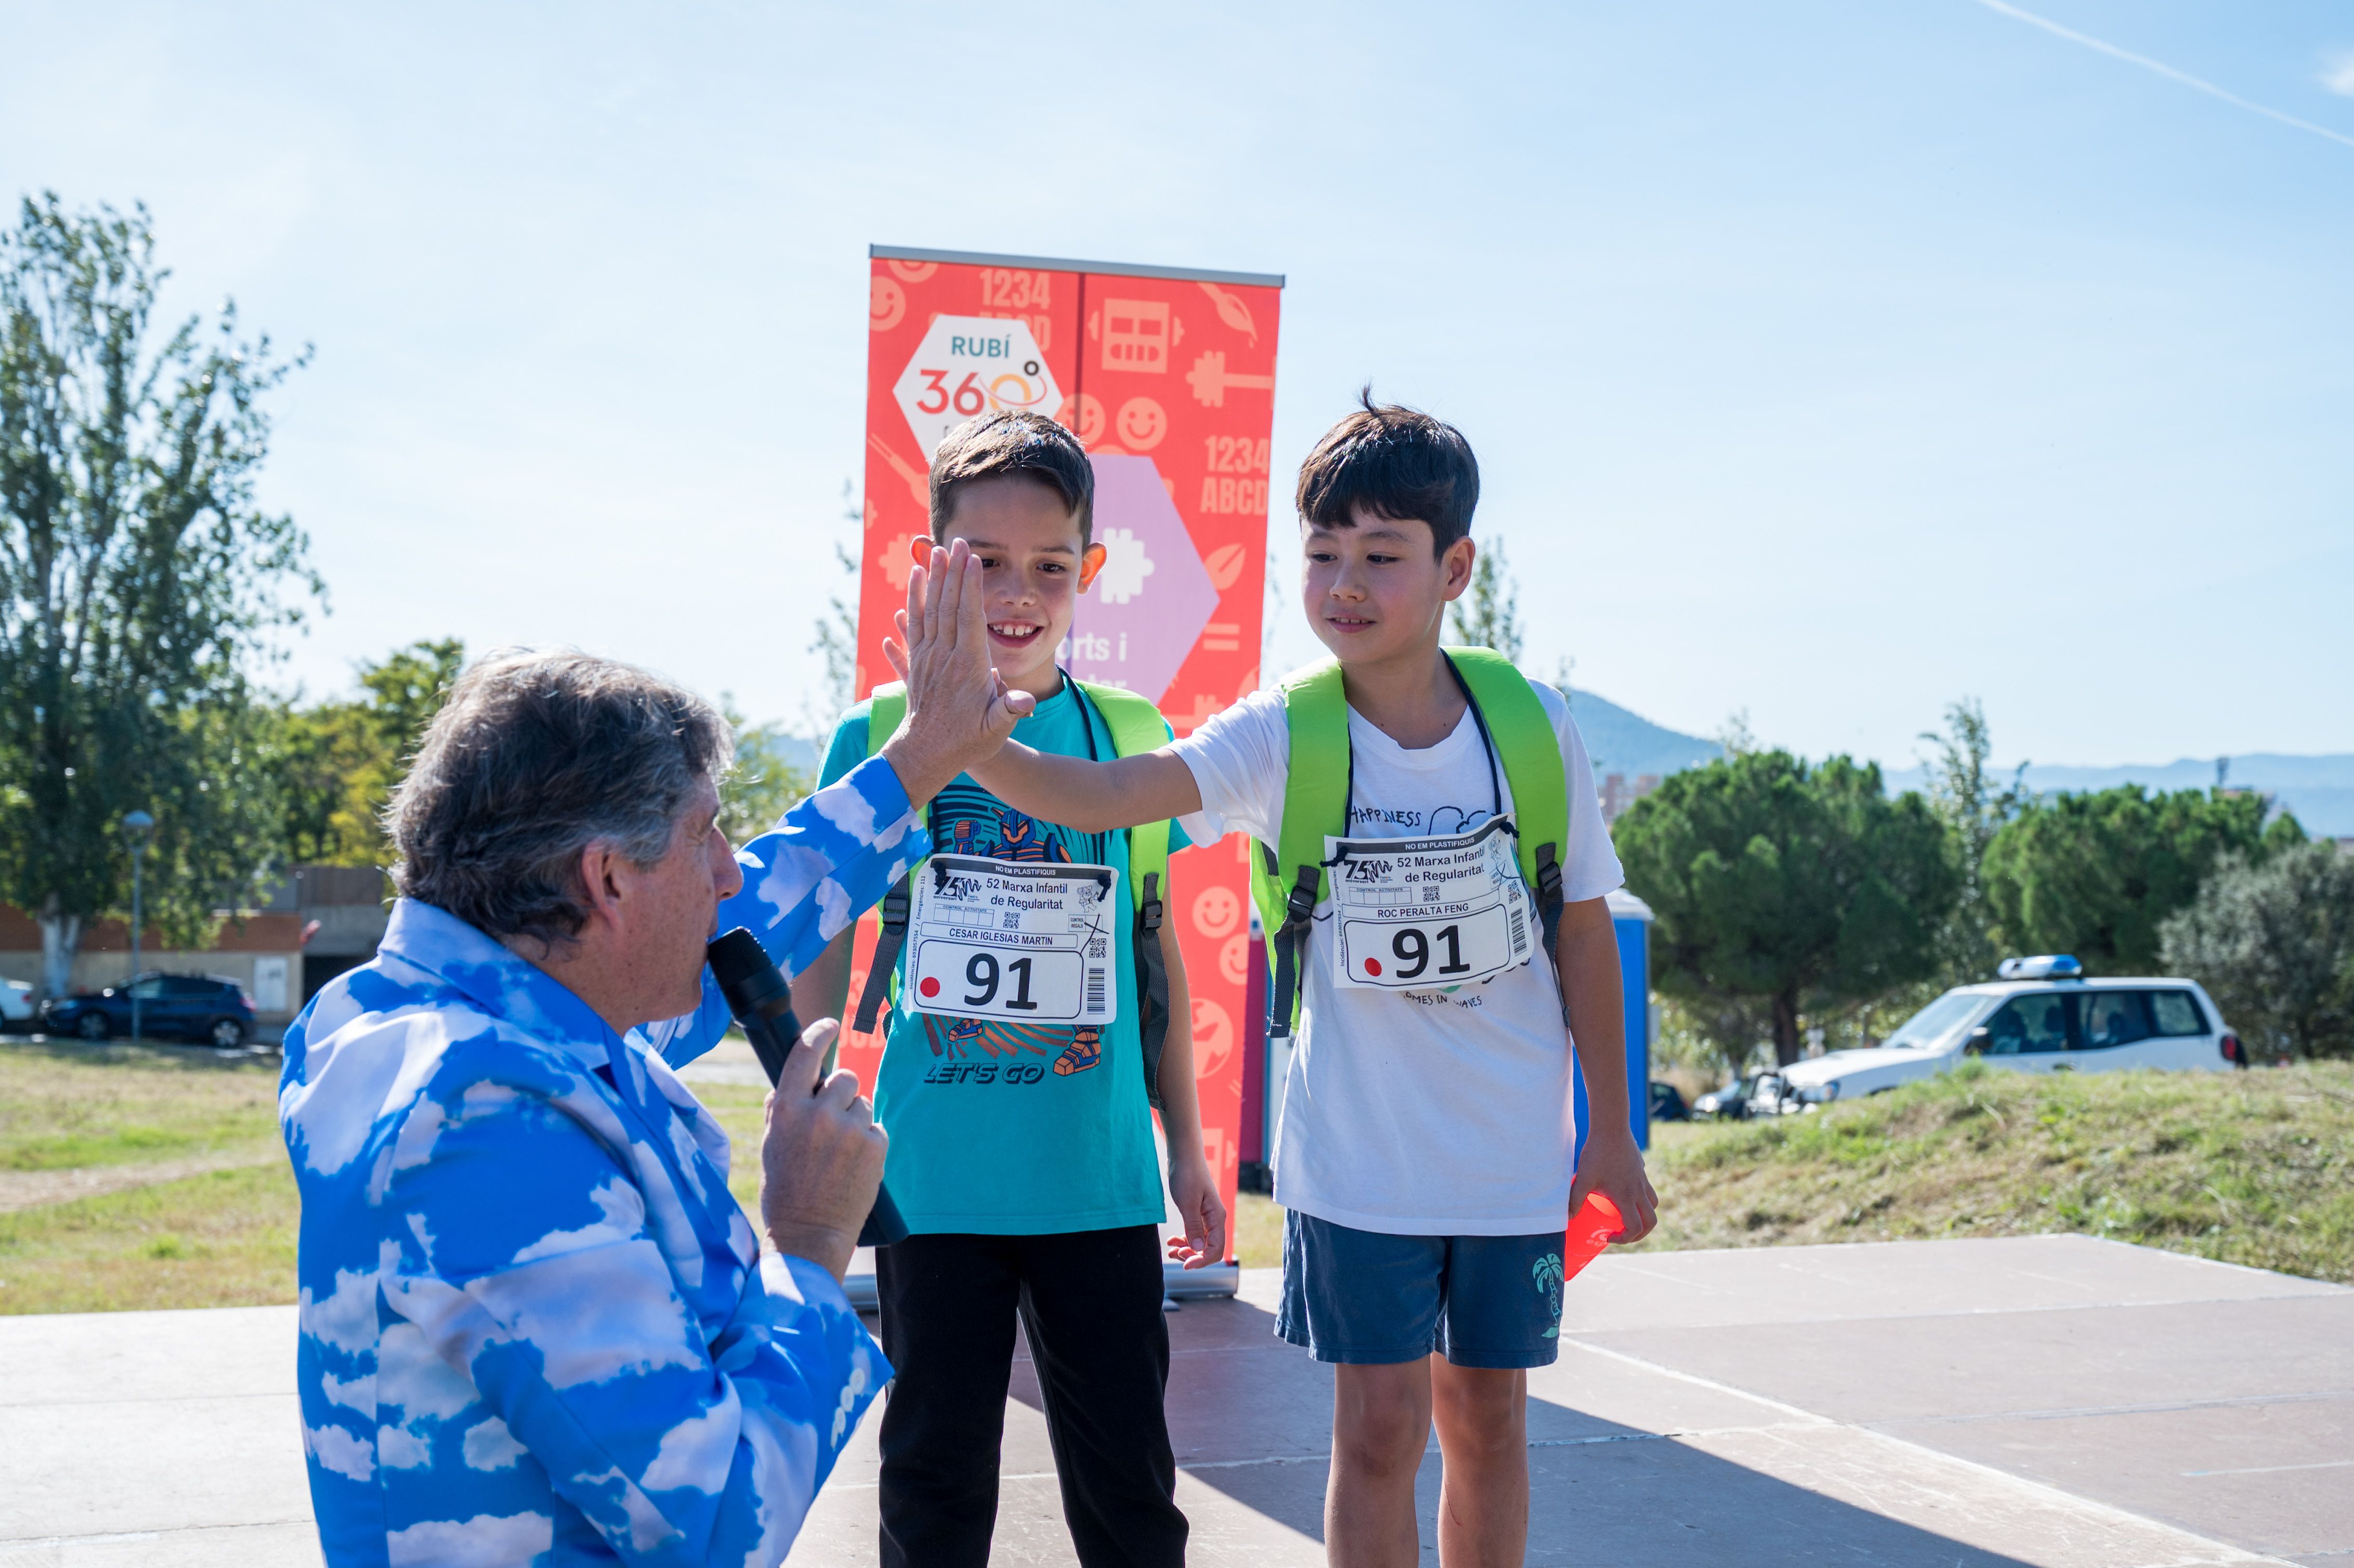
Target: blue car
{"points": [[185, 1007]]}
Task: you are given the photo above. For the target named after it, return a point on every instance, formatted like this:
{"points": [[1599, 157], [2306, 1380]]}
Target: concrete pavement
{"points": [[2053, 1401]]}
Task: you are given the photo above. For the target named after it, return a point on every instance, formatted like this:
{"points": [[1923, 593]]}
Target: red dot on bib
{"points": [[1373, 966], [930, 987]]}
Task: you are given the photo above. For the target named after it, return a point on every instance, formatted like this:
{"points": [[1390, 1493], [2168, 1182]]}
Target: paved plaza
{"points": [[2052, 1401]]}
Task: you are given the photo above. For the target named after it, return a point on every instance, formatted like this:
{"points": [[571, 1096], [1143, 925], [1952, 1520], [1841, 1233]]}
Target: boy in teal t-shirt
{"points": [[1017, 1128], [1022, 1152]]}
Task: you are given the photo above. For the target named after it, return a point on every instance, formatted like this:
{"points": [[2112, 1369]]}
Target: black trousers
{"points": [[1090, 1303]]}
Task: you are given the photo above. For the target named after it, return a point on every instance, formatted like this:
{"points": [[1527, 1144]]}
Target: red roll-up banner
{"points": [[1168, 376]]}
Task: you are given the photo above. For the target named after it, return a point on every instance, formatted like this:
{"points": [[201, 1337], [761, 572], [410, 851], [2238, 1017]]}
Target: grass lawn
{"points": [[222, 1239], [2254, 1167], [68, 1105]]}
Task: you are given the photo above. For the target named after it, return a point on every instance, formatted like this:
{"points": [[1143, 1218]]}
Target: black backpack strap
{"points": [[1549, 909], [886, 962], [1152, 986], [1290, 948]]}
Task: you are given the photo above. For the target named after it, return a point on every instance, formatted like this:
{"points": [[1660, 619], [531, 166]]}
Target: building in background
{"points": [[319, 921], [1617, 794], [344, 909]]}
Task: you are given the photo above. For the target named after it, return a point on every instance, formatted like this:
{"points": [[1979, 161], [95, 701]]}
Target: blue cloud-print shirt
{"points": [[534, 1328]]}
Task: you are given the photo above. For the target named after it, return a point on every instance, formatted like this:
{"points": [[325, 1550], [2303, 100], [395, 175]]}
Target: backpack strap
{"points": [[1136, 728], [1524, 738], [887, 713], [1287, 877]]}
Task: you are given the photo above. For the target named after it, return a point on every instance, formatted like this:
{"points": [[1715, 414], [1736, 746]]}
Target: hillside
{"points": [[2319, 790], [1621, 741], [2254, 1167]]}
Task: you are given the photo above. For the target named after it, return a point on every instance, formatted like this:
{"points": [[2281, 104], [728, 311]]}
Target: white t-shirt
{"points": [[1419, 1113]]}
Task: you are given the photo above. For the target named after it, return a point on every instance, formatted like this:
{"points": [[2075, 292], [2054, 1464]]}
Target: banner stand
{"points": [[1167, 376]]}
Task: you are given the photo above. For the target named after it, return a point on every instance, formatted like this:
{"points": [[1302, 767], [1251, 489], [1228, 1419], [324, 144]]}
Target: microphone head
{"points": [[747, 977]]}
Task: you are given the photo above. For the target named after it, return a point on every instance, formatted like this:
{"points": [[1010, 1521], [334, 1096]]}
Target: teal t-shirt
{"points": [[1016, 1128]]}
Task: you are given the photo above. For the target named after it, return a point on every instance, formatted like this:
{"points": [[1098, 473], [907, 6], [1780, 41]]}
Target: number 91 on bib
{"points": [[1012, 940], [1428, 914]]}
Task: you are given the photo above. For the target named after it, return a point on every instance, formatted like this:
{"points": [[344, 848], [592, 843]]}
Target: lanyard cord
{"points": [[1089, 713], [1487, 749]]}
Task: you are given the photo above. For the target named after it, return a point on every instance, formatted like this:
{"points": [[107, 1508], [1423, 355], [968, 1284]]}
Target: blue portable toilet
{"points": [[1631, 918]]}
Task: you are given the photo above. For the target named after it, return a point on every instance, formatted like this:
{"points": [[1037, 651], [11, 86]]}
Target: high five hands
{"points": [[958, 710]]}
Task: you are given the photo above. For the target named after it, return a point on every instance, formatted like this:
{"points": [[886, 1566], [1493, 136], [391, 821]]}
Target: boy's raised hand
{"points": [[959, 712]]}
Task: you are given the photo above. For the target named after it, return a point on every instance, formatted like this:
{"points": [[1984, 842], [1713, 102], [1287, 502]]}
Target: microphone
{"points": [[763, 1005]]}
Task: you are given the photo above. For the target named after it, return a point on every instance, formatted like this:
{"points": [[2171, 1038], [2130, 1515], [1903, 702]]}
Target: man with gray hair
{"points": [[532, 1326]]}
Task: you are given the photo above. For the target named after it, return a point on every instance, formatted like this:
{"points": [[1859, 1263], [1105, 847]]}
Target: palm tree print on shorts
{"points": [[1547, 1273]]}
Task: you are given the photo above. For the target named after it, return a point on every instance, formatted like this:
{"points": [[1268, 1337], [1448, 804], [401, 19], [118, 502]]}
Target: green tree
{"points": [[1974, 806], [1489, 613], [837, 636], [2274, 944], [1795, 885], [140, 585], [2096, 873], [764, 784], [339, 761]]}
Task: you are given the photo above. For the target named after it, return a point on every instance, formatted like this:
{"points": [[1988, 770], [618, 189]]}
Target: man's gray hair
{"points": [[534, 757]]}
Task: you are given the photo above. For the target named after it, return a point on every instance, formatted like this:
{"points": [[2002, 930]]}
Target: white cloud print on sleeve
{"points": [[585, 1367]]}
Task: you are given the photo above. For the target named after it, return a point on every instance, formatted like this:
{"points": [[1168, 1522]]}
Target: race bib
{"points": [[1428, 914], [1013, 940]]}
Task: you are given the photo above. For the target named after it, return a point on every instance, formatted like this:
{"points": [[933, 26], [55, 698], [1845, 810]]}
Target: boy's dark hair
{"points": [[1395, 462], [1000, 445]]}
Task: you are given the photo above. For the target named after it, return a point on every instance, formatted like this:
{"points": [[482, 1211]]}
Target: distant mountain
{"points": [[1622, 741], [2319, 790]]}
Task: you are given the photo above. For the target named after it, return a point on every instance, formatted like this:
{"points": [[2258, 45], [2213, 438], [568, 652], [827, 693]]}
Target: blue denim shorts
{"points": [[1366, 1298]]}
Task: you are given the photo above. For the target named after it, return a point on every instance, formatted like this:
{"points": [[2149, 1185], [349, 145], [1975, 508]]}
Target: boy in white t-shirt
{"points": [[1428, 1147]]}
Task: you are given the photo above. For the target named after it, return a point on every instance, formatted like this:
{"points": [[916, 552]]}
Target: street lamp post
{"points": [[136, 826]]}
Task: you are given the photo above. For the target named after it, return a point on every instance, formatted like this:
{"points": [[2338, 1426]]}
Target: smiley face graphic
{"points": [[1216, 911], [1090, 425], [1141, 423], [886, 302]]}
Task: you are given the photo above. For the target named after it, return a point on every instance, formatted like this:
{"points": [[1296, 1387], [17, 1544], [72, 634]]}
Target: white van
{"points": [[2044, 1017]]}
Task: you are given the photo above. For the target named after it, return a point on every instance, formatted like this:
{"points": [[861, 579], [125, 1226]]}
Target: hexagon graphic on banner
{"points": [[1153, 596], [968, 365]]}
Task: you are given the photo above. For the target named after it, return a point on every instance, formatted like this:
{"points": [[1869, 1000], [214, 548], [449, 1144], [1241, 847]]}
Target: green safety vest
{"points": [[1136, 727], [1316, 804]]}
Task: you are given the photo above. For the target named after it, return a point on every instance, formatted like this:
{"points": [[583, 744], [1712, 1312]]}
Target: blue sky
{"points": [[1825, 360]]}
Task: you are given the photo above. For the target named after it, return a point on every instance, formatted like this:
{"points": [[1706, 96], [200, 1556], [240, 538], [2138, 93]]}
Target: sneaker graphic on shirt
{"points": [[1084, 1052], [1020, 839]]}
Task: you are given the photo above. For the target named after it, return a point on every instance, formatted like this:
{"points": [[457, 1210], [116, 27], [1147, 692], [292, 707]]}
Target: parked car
{"points": [[1769, 1093], [1666, 1102], [187, 1007], [2041, 1016], [16, 1013]]}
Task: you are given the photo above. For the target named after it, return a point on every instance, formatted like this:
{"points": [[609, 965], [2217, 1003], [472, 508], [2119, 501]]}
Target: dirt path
{"points": [[34, 1189]]}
